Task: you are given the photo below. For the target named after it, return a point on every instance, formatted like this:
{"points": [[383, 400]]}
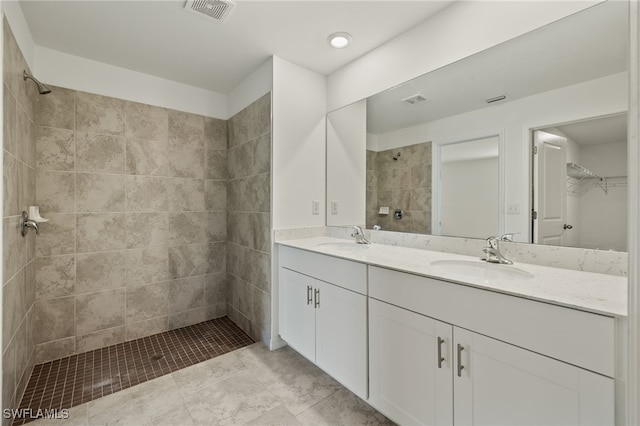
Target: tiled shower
{"points": [[159, 219]]}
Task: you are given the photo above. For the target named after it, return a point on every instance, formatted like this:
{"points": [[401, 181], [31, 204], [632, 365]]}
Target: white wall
{"points": [[251, 88], [462, 29], [18, 24], [298, 145], [594, 98], [347, 164]]}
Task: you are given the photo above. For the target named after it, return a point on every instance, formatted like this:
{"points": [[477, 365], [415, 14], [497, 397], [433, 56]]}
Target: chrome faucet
{"points": [[492, 250], [358, 234]]}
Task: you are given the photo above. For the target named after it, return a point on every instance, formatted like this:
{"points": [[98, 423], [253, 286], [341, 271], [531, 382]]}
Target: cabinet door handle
{"points": [[317, 296], [309, 295], [440, 357], [460, 366]]}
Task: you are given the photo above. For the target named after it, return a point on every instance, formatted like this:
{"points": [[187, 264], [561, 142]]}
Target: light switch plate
{"points": [[334, 206], [315, 207], [513, 208]]}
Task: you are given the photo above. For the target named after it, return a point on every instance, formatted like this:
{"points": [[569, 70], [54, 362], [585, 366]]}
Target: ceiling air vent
{"points": [[415, 99], [218, 10]]}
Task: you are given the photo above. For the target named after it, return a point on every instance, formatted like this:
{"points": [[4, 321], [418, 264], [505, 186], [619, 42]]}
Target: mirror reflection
{"points": [[422, 171]]}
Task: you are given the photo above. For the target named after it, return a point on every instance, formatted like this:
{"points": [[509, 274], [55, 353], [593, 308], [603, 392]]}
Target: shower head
{"points": [[42, 89], [395, 157]]}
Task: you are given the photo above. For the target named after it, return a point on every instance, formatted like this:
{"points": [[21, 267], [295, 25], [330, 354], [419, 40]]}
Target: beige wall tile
{"points": [[100, 232], [100, 339], [101, 310], [216, 164], [185, 194], [215, 257], [147, 265], [99, 114], [100, 271], [147, 194], [260, 194], [140, 329], [215, 134], [9, 374], [147, 301], [187, 318], [55, 350], [261, 231], [260, 116], [10, 176], [186, 261], [30, 283], [148, 157], [14, 247], [238, 128], [260, 270], [215, 288], [216, 228], [9, 114], [186, 228], [55, 277], [218, 310], [261, 309], [100, 153], [55, 192], [261, 154], [54, 319], [55, 149], [100, 192], [22, 134], [58, 236], [186, 145], [186, 294], [146, 121], [57, 109], [147, 230], [215, 195], [14, 307]]}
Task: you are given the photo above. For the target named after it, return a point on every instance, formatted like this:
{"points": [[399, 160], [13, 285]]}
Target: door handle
{"points": [[309, 295], [567, 226], [440, 357], [317, 295], [460, 366]]}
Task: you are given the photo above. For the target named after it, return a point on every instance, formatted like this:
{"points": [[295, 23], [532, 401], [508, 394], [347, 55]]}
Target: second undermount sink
{"points": [[481, 270], [346, 245]]}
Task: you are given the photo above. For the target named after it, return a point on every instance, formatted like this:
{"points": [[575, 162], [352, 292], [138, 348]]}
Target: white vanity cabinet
{"points": [[323, 313], [428, 367]]}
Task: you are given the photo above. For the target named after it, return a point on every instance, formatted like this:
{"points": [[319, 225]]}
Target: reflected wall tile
{"points": [[55, 192], [215, 134], [147, 193], [215, 257], [97, 311], [58, 236], [147, 265], [100, 339], [186, 194], [186, 318], [215, 195], [147, 301], [186, 294], [100, 232], [146, 121], [55, 149], [55, 277], [216, 164], [100, 271], [421, 199], [54, 319], [100, 192], [186, 228], [100, 153], [55, 350], [99, 114], [421, 176], [10, 185], [186, 261], [9, 114], [147, 229], [57, 109], [146, 328], [148, 157]]}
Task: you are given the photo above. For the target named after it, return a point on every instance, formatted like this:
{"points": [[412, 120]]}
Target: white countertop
{"points": [[587, 291]]}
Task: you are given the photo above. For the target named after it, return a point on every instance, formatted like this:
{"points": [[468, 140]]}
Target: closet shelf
{"points": [[580, 180], [576, 171]]}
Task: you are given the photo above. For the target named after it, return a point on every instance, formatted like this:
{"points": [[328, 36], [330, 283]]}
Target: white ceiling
{"points": [[597, 131], [582, 47], [161, 38]]}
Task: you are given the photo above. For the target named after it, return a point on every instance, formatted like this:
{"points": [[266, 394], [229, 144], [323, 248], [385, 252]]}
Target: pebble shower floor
{"points": [[76, 379]]}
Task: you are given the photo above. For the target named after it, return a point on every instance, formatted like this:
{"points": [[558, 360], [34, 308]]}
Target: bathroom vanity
{"points": [[434, 338]]}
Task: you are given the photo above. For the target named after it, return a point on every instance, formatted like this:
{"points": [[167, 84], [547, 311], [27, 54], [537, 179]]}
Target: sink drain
{"points": [[156, 357]]}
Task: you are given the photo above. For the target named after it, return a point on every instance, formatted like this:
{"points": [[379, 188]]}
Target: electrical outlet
{"points": [[315, 207], [513, 208], [334, 207]]}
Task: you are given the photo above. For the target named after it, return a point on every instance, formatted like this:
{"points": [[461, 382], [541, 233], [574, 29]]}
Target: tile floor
{"points": [[251, 386]]}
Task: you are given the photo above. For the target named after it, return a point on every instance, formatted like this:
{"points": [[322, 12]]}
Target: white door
{"points": [[410, 366], [550, 188], [502, 384], [297, 314], [341, 336]]}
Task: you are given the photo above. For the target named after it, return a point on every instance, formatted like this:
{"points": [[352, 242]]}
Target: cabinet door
{"points": [[297, 315], [341, 336], [502, 384], [407, 382]]}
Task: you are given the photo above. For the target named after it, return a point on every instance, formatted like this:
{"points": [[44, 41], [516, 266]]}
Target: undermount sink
{"points": [[346, 245], [481, 270]]}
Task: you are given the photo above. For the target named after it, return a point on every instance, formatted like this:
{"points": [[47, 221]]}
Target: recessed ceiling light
{"points": [[339, 40]]}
